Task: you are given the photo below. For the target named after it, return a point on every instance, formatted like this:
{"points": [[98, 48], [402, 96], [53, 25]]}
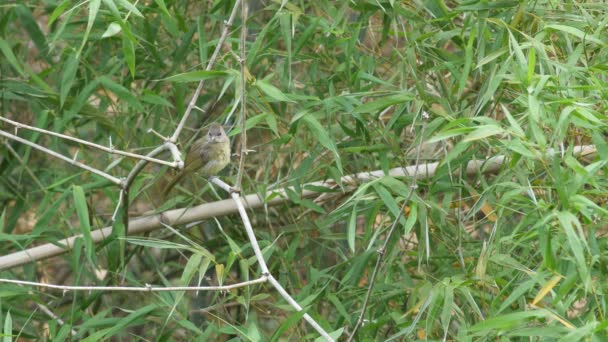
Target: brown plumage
{"points": [[207, 156]]}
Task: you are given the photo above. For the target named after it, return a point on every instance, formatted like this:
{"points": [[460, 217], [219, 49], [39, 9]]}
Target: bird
{"points": [[208, 156]]}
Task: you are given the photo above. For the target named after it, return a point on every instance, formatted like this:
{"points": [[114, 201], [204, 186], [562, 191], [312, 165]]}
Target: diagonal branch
{"points": [[197, 93], [110, 150], [52, 153], [382, 250]]}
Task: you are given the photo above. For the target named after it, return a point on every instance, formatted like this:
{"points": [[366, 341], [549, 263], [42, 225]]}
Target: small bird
{"points": [[207, 156]]}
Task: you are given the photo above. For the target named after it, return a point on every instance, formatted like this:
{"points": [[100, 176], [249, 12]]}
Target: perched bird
{"points": [[207, 156]]}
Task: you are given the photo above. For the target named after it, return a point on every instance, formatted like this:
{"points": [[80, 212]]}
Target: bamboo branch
{"points": [[252, 201]]}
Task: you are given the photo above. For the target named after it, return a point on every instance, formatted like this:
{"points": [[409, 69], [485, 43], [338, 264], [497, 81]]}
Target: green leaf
{"points": [[351, 232], [130, 7], [576, 242], [290, 323], [195, 76], [58, 11], [93, 9], [31, 26], [575, 32], [82, 210], [68, 76], [389, 202], [135, 317], [8, 53], [191, 267], [250, 123], [8, 328], [484, 131], [122, 93], [152, 98], [374, 106], [450, 133], [508, 321], [271, 91], [157, 243], [112, 30], [128, 50], [305, 202], [322, 136]]}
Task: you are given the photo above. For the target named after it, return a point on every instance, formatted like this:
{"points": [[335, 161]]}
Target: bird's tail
{"points": [[176, 179]]}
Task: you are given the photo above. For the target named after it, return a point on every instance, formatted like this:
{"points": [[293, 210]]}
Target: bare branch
{"points": [[297, 306], [192, 102], [52, 153], [242, 61], [382, 250], [90, 144], [147, 288]]}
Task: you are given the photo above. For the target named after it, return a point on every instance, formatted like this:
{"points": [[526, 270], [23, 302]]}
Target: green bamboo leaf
{"points": [[450, 133], [10, 56], [491, 57], [130, 7], [113, 8], [93, 9], [307, 203], [576, 242], [288, 324], [8, 328], [250, 123], [448, 307], [82, 210], [191, 267], [128, 50], [384, 102], [58, 11], [575, 32], [31, 26], [518, 293], [484, 131], [322, 136], [389, 202], [351, 233], [68, 76], [508, 321], [112, 30], [152, 98], [122, 93], [271, 91], [518, 147], [156, 243], [195, 76], [134, 318]]}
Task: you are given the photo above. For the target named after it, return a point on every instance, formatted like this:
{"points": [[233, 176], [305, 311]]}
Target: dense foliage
{"points": [[333, 88]]}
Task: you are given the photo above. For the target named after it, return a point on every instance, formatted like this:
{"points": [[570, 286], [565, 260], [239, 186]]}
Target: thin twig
{"points": [[111, 150], [382, 250], [62, 157], [22, 162], [142, 163], [131, 177], [147, 288], [243, 148], [297, 306], [264, 268], [51, 314], [218, 47]]}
